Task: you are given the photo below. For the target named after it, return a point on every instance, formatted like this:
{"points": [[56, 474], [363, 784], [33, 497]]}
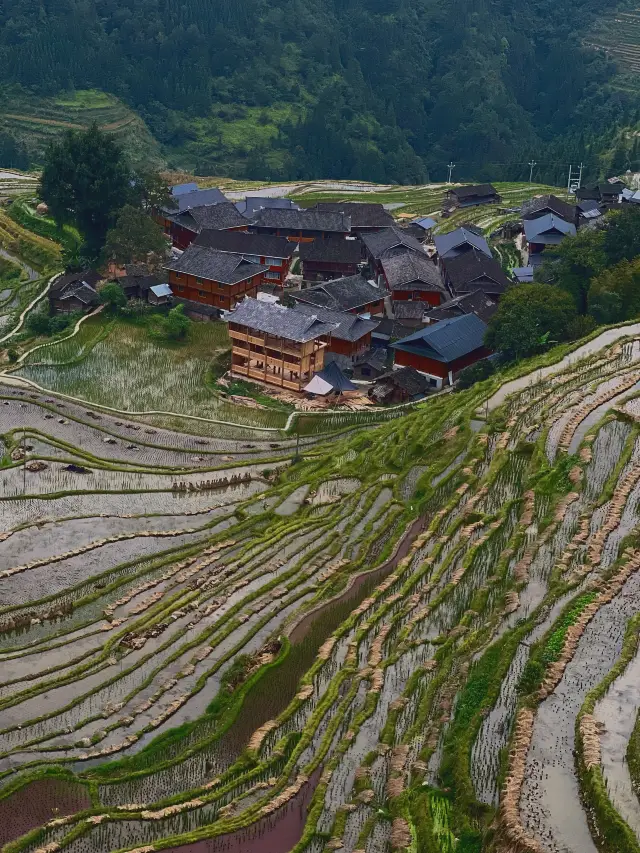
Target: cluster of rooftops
{"points": [[371, 286]]}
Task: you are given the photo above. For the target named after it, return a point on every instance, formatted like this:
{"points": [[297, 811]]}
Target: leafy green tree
{"points": [[614, 295], [622, 235], [150, 190], [113, 296], [573, 264], [135, 237], [529, 318], [85, 181], [176, 324]]}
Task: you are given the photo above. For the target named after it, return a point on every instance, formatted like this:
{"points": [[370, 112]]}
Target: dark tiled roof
{"points": [[456, 242], [341, 294], [90, 277], [475, 271], [243, 243], [214, 266], [278, 320], [82, 291], [302, 220], [337, 250], [548, 229], [379, 243], [392, 329], [336, 378], [217, 216], [408, 310], [535, 207], [478, 190], [141, 282], [363, 214], [348, 327], [448, 340], [408, 379], [196, 198], [252, 204], [408, 268], [197, 307], [476, 302]]}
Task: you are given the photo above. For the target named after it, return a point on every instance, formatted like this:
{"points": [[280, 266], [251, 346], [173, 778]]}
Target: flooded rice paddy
{"points": [[214, 644]]}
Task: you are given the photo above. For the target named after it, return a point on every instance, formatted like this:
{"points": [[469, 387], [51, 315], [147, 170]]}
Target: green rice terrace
{"points": [[235, 630]]}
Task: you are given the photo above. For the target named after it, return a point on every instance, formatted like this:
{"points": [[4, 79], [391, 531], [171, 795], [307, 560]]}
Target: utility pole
{"points": [[532, 163], [451, 167]]}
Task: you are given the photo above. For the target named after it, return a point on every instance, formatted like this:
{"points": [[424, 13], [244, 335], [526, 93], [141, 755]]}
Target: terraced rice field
{"points": [[421, 635], [618, 35]]}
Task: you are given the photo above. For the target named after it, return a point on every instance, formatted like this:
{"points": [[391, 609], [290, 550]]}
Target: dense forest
{"points": [[383, 90]]}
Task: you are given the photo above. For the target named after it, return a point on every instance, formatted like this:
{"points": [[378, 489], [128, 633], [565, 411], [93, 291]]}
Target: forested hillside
{"points": [[384, 90]]}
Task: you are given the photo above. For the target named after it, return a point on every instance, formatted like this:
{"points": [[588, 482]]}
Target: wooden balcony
{"points": [[268, 378]]}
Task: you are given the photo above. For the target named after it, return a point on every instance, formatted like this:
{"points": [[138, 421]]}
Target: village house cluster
{"points": [[321, 298]]}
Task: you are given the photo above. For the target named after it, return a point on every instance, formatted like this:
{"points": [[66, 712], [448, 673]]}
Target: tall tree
{"points": [[530, 317], [135, 238], [573, 264], [85, 181]]}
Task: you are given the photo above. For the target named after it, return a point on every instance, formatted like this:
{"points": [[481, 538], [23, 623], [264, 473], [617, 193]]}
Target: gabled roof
{"points": [[407, 378], [452, 244], [363, 214], [473, 270], [336, 250], [336, 378], [195, 198], [90, 277], [406, 309], [302, 220], [341, 294], [448, 340], [244, 243], [476, 190], [523, 274], [590, 206], [81, 291], [161, 290], [214, 216], [409, 269], [475, 302], [347, 327], [548, 229], [214, 266], [181, 189], [534, 208], [253, 203], [379, 243], [427, 223], [278, 320]]}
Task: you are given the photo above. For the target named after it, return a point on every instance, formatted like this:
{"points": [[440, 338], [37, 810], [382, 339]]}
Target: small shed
{"points": [[160, 294]]}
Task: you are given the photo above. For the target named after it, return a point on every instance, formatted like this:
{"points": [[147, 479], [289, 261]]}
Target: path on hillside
{"points": [[603, 340]]}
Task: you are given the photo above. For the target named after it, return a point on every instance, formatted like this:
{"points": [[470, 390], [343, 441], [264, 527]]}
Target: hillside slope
{"points": [[383, 90]]}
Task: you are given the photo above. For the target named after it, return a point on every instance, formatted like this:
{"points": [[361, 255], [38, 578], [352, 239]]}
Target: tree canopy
{"points": [[85, 181], [135, 238], [371, 89], [529, 318]]}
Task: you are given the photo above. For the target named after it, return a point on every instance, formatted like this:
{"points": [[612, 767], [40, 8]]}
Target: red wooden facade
{"points": [[440, 369], [207, 292], [350, 348], [431, 297]]}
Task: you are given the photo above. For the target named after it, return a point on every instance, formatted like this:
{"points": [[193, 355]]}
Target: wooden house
{"points": [[353, 294], [365, 216], [461, 240], [441, 350], [548, 230], [300, 225], [183, 198], [334, 257], [399, 386], [470, 196], [472, 271], [475, 302], [385, 243], [412, 276], [276, 345], [185, 226], [213, 278], [75, 292], [275, 253], [350, 336], [543, 205]]}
